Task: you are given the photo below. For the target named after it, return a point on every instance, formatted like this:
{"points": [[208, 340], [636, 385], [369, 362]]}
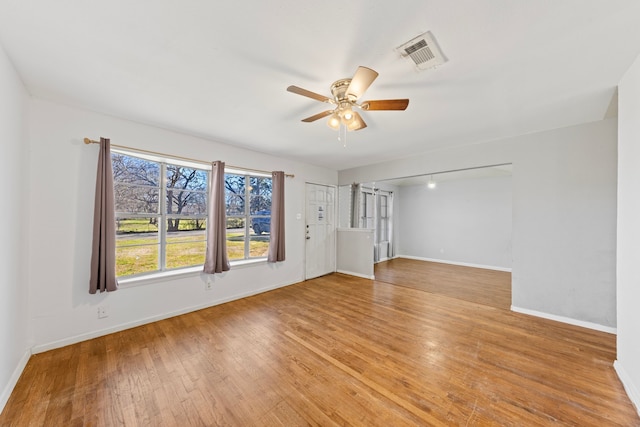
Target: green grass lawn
{"points": [[139, 254]]}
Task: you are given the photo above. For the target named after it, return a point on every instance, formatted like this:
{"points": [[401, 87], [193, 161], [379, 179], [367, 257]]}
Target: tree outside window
{"points": [[149, 194], [161, 211], [248, 224]]}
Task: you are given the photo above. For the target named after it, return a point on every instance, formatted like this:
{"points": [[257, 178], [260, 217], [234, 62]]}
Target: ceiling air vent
{"points": [[424, 51]]}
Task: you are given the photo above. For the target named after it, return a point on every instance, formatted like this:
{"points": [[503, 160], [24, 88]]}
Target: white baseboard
{"points": [[40, 348], [13, 380], [464, 264], [351, 273], [629, 387], [568, 320]]}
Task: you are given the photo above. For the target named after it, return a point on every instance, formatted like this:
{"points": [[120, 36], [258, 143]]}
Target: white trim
{"points": [[351, 273], [162, 276], [629, 387], [124, 326], [13, 380], [568, 320], [355, 230], [464, 264]]}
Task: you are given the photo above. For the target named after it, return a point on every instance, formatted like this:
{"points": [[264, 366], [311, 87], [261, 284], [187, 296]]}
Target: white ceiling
{"points": [[220, 69]]}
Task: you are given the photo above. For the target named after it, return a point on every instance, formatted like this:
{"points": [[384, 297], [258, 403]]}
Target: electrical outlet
{"points": [[102, 312], [208, 285]]}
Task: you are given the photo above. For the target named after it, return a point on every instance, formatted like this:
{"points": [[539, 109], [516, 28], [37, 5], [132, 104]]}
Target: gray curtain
{"points": [[103, 250], [276, 243], [355, 205], [216, 258]]}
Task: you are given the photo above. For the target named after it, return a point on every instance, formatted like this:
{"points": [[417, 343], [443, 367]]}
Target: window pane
{"points": [[259, 246], [135, 199], [384, 230], [186, 178], [186, 190], [184, 202], [136, 259], [182, 225], [260, 205], [260, 193], [234, 193], [134, 170], [235, 238], [235, 204], [137, 245], [136, 231], [261, 224], [185, 253]]}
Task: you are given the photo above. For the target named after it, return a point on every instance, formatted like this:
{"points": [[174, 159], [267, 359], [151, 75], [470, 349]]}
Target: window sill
{"points": [[181, 273]]}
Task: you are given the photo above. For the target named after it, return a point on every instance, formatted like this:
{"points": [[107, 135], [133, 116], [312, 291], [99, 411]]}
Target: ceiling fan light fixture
{"points": [[353, 125], [334, 121]]}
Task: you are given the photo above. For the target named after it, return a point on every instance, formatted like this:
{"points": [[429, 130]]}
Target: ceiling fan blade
{"points": [[317, 116], [385, 104], [356, 123], [361, 81], [308, 93]]}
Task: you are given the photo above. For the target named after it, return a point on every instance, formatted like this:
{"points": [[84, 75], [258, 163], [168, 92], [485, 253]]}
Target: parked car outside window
{"points": [[261, 224]]}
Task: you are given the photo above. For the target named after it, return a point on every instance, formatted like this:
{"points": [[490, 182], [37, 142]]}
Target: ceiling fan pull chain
{"points": [[342, 134]]}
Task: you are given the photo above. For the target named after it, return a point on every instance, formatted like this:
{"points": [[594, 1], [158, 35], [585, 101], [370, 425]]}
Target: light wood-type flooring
{"points": [[488, 287], [336, 350]]}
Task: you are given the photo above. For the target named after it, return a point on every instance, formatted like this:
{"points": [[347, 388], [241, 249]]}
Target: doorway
{"points": [[376, 207]]}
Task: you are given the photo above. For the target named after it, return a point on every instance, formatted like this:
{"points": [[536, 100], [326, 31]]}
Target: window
{"points": [[161, 211], [248, 224], [367, 209], [161, 214]]}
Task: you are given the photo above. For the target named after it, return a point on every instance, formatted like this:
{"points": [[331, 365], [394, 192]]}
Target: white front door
{"points": [[320, 231]]}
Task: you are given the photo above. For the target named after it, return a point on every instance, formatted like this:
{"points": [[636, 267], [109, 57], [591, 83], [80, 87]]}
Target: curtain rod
{"points": [[155, 153]]}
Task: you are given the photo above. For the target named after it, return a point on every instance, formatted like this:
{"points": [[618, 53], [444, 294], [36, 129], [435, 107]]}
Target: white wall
{"points": [[564, 215], [14, 170], [465, 221], [61, 205], [628, 265], [354, 253]]}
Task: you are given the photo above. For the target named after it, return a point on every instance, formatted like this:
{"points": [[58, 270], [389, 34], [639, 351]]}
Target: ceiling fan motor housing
{"points": [[339, 91]]}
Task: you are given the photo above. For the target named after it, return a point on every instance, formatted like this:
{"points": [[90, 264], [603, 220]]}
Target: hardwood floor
{"points": [[336, 350], [488, 287]]}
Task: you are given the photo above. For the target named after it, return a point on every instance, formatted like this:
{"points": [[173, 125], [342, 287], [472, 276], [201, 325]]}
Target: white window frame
{"points": [[247, 210], [161, 215]]}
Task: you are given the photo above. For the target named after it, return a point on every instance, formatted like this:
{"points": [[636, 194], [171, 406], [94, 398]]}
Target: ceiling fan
{"points": [[345, 98]]}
